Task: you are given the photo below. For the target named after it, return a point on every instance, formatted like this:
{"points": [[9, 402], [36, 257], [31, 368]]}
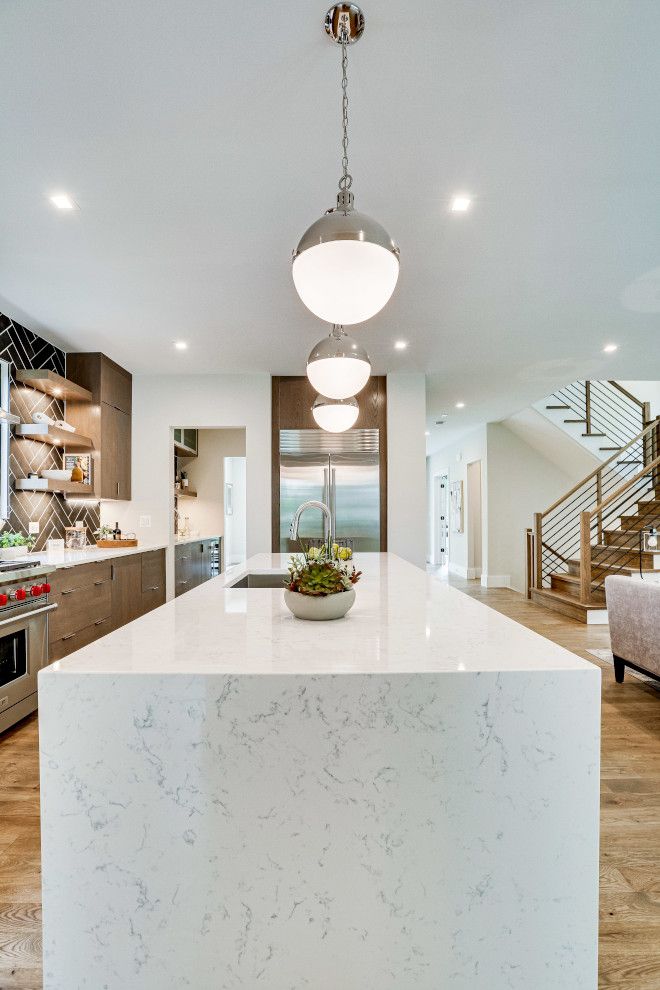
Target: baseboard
{"points": [[495, 580], [473, 573], [458, 570]]}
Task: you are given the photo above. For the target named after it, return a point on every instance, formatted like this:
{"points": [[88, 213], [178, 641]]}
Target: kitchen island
{"points": [[405, 798]]}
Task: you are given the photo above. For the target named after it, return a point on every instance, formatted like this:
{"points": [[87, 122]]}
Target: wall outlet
{"points": [[145, 522], [33, 529]]}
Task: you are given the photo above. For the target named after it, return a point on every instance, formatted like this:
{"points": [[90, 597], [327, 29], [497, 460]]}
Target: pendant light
{"points": [[338, 366], [346, 265], [335, 415]]}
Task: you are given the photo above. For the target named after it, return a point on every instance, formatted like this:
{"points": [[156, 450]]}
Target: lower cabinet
{"points": [[93, 599], [195, 563]]}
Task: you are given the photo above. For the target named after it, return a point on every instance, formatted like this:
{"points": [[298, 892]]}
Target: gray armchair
{"points": [[633, 610]]}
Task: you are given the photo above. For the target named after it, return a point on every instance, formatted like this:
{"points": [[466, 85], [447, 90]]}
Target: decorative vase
{"points": [[319, 608], [77, 472]]}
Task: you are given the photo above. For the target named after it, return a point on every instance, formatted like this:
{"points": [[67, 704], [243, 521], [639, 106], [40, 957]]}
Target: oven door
{"points": [[23, 652]]}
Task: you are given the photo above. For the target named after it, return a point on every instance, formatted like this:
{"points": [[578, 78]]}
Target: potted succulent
{"points": [[321, 583], [14, 545]]}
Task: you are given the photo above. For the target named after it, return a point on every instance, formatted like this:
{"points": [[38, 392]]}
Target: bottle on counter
{"points": [[116, 533]]}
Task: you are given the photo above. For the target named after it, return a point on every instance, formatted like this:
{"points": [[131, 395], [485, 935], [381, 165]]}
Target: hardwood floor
{"points": [[630, 819]]}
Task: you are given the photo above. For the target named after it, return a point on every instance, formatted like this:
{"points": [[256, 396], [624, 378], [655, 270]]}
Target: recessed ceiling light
{"points": [[460, 203], [181, 345], [400, 345], [460, 405], [610, 348], [57, 391], [63, 202]]}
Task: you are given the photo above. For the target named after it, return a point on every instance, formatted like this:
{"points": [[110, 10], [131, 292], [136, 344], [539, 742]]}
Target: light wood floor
{"points": [[630, 820]]}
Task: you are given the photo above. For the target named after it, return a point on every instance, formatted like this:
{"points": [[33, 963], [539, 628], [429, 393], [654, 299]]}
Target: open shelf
{"points": [[53, 435], [50, 485], [185, 493], [51, 383]]}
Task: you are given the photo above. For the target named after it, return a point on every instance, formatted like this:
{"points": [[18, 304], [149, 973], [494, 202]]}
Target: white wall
{"points": [[206, 472], [406, 472], [645, 392], [161, 402]]}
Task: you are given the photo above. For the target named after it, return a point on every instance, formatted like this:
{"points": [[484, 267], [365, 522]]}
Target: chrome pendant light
{"points": [[335, 415], [338, 367], [346, 265]]}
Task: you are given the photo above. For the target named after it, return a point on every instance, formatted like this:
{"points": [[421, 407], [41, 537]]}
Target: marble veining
{"points": [[405, 818]]}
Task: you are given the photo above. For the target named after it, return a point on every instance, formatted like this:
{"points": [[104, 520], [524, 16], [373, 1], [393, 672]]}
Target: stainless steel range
{"points": [[24, 608]]}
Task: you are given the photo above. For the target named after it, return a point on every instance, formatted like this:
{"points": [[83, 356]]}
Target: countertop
{"points": [[195, 539], [403, 621], [92, 554]]}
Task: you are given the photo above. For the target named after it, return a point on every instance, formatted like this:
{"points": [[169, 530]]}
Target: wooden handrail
{"points": [[590, 477], [628, 395], [624, 488]]}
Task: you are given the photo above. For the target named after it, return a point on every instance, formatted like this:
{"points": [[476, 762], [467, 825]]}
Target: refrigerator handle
{"points": [[333, 505]]}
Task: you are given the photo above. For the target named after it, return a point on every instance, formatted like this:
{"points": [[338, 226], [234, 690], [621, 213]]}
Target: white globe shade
{"points": [[338, 367], [335, 415], [345, 267]]}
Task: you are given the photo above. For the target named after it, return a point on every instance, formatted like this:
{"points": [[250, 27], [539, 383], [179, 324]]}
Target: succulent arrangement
{"points": [[104, 533], [8, 540], [322, 571]]}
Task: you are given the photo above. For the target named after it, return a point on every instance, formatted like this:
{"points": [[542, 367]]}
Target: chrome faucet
{"points": [[312, 504]]}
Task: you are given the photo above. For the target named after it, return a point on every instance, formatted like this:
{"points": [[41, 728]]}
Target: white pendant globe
{"points": [[345, 267], [335, 415], [338, 367]]}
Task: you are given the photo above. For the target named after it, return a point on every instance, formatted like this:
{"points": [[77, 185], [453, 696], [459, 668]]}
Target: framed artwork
{"points": [[84, 461], [456, 506]]}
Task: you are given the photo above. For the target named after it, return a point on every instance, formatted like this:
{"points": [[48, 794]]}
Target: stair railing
{"points": [[606, 409], [568, 531]]}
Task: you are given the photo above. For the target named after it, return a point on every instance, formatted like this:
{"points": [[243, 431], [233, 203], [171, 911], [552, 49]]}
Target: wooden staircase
{"points": [[597, 529]]}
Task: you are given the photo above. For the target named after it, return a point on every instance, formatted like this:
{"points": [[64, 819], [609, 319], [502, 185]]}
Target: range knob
{"points": [[20, 594], [45, 589], [3, 599], [36, 590]]}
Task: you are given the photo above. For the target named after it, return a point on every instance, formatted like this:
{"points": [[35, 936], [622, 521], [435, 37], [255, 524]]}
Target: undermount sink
{"points": [[271, 579]]}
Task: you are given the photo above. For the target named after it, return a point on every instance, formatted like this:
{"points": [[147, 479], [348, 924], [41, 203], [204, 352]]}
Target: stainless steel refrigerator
{"points": [[340, 469]]}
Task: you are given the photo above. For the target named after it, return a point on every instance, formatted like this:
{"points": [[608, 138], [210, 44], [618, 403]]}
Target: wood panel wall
{"points": [[292, 400]]}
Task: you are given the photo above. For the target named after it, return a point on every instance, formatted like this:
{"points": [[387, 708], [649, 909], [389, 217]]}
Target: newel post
{"points": [[585, 558], [538, 549]]}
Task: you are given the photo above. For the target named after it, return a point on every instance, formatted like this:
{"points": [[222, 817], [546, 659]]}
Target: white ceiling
{"points": [[201, 139]]}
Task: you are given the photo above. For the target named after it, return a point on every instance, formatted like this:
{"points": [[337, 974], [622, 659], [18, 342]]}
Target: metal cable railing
{"points": [[572, 533], [606, 409]]}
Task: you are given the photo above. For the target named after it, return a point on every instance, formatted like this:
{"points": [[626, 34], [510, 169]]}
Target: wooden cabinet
{"points": [[106, 420], [153, 579], [93, 599], [185, 442], [193, 564], [126, 590], [83, 596]]}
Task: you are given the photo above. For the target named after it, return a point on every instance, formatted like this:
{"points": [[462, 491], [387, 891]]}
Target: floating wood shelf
{"points": [[53, 435], [50, 485], [52, 384], [182, 451], [185, 493]]}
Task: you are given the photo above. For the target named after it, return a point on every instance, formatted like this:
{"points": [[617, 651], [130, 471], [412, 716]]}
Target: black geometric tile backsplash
{"points": [[24, 349]]}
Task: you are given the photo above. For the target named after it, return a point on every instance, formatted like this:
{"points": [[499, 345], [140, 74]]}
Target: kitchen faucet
{"points": [[312, 504]]}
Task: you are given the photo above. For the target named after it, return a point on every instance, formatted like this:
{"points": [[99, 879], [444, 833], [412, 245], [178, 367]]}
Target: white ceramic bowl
{"points": [[319, 608], [57, 475]]}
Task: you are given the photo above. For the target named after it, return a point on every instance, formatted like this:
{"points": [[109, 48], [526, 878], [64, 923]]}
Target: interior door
{"points": [[302, 477], [355, 500]]}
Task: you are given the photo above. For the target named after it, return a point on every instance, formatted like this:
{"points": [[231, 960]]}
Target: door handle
{"points": [[69, 592], [99, 622], [118, 488], [97, 584], [155, 587], [70, 636]]}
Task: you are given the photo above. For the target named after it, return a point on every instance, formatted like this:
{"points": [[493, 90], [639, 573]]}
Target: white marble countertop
{"points": [[90, 555], [403, 621]]}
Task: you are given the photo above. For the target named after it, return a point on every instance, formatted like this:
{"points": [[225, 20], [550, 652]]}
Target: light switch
{"points": [[145, 522]]}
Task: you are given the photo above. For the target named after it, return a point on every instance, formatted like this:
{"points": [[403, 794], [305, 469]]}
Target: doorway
{"points": [[474, 519], [440, 521]]}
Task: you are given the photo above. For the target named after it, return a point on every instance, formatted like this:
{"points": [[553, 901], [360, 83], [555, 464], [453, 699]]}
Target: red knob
{"points": [[35, 590], [21, 594], [45, 589], [3, 600]]}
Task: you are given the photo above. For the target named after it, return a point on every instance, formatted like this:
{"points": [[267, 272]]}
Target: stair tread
{"points": [[606, 448], [568, 599], [575, 421], [558, 407], [594, 435]]}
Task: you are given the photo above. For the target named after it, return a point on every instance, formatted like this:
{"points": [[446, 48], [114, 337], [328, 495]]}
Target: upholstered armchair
{"points": [[633, 610]]}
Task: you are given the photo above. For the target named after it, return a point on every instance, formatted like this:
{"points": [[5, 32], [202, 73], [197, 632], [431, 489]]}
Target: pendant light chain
{"points": [[346, 180]]}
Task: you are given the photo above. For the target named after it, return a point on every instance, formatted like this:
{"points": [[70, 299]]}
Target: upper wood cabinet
{"points": [[107, 420], [185, 442]]}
